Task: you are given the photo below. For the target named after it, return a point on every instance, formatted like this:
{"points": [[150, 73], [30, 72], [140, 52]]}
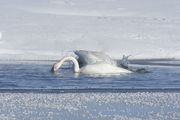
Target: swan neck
{"points": [[75, 62]]}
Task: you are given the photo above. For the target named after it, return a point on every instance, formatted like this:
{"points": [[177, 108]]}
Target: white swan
{"points": [[91, 67]]}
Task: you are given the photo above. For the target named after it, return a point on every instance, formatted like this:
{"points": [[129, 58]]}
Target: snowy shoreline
{"points": [[143, 29], [87, 106], [89, 90]]}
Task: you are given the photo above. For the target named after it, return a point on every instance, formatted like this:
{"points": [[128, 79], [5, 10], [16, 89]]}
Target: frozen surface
{"points": [[50, 29], [88, 106]]}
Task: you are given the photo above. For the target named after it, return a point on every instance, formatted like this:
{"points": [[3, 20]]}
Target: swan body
{"points": [[91, 63], [102, 69]]}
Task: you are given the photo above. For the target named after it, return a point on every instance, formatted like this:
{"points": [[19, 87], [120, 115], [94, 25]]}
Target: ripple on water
{"points": [[38, 75]]}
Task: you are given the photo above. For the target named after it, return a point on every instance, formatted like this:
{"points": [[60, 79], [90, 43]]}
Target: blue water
{"points": [[36, 74]]}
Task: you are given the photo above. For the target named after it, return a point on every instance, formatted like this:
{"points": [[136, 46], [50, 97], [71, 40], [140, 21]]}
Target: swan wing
{"points": [[92, 57]]}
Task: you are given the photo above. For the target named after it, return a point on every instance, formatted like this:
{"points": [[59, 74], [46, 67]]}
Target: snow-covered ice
{"points": [[49, 29], [88, 106], [0, 35]]}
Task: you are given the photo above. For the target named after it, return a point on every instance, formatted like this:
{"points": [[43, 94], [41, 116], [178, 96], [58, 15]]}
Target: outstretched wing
{"points": [[92, 57]]}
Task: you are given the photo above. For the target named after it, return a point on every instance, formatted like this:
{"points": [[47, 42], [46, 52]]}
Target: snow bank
{"points": [[0, 35], [49, 29], [88, 106]]}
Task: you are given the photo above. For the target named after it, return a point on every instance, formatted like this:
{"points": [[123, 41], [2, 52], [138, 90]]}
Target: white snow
{"points": [[88, 106], [0, 35], [50, 29]]}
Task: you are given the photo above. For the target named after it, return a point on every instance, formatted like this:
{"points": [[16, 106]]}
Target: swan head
{"points": [[55, 67]]}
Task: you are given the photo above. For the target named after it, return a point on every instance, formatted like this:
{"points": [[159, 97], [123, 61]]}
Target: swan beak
{"points": [[55, 67], [52, 69]]}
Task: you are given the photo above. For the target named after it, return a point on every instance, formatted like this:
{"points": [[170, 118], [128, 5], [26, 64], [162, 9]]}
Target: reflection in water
{"points": [[76, 75], [61, 75]]}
